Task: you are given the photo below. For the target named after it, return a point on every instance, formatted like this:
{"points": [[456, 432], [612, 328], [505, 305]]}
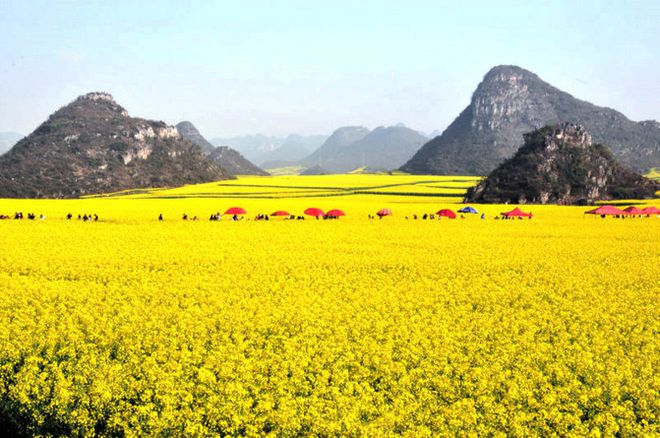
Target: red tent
{"points": [[235, 210], [633, 210], [316, 212], [446, 213], [516, 212], [384, 212], [607, 210], [651, 210], [336, 213], [280, 213]]}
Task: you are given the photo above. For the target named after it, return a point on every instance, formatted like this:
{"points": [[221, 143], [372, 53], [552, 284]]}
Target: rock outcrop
{"points": [[92, 146], [511, 101], [559, 164]]}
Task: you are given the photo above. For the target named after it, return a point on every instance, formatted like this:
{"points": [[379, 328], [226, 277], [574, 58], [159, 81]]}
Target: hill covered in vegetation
{"points": [[560, 164], [92, 145]]}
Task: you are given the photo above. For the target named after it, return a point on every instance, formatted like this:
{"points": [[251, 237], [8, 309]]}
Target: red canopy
{"points": [[316, 212], [235, 210], [384, 212], [446, 213], [608, 210], [336, 213], [280, 213], [633, 210], [516, 212], [651, 210]]}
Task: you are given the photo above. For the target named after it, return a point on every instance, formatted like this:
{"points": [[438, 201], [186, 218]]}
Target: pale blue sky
{"points": [[237, 67]]}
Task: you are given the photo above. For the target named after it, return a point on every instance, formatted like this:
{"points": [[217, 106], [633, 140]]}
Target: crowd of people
{"points": [[88, 217], [85, 217], [235, 217], [625, 216], [431, 216], [19, 216], [510, 218]]}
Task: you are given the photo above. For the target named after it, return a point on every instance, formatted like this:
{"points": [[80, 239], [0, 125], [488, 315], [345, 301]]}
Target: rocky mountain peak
{"points": [[510, 74], [190, 132], [98, 96], [97, 104], [511, 101], [507, 94], [187, 128]]}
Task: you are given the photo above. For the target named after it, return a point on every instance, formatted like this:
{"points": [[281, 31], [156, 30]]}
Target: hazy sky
{"points": [[276, 67]]}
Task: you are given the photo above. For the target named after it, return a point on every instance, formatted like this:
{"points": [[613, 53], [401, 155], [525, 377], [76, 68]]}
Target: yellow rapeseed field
{"points": [[353, 327]]}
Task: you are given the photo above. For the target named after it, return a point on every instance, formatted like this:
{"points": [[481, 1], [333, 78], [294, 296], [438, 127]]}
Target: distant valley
{"points": [[348, 148]]}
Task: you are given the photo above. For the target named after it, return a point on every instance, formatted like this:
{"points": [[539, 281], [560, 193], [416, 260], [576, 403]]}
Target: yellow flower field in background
{"points": [[470, 327]]}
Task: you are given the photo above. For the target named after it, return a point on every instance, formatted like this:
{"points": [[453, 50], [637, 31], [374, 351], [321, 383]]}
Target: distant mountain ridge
{"points": [[93, 146], [346, 149], [559, 164], [294, 148], [352, 147], [224, 156], [338, 140], [511, 101], [260, 148], [251, 146]]}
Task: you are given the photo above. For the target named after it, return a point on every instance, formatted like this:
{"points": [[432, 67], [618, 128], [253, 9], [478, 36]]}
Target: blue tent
{"points": [[468, 209]]}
